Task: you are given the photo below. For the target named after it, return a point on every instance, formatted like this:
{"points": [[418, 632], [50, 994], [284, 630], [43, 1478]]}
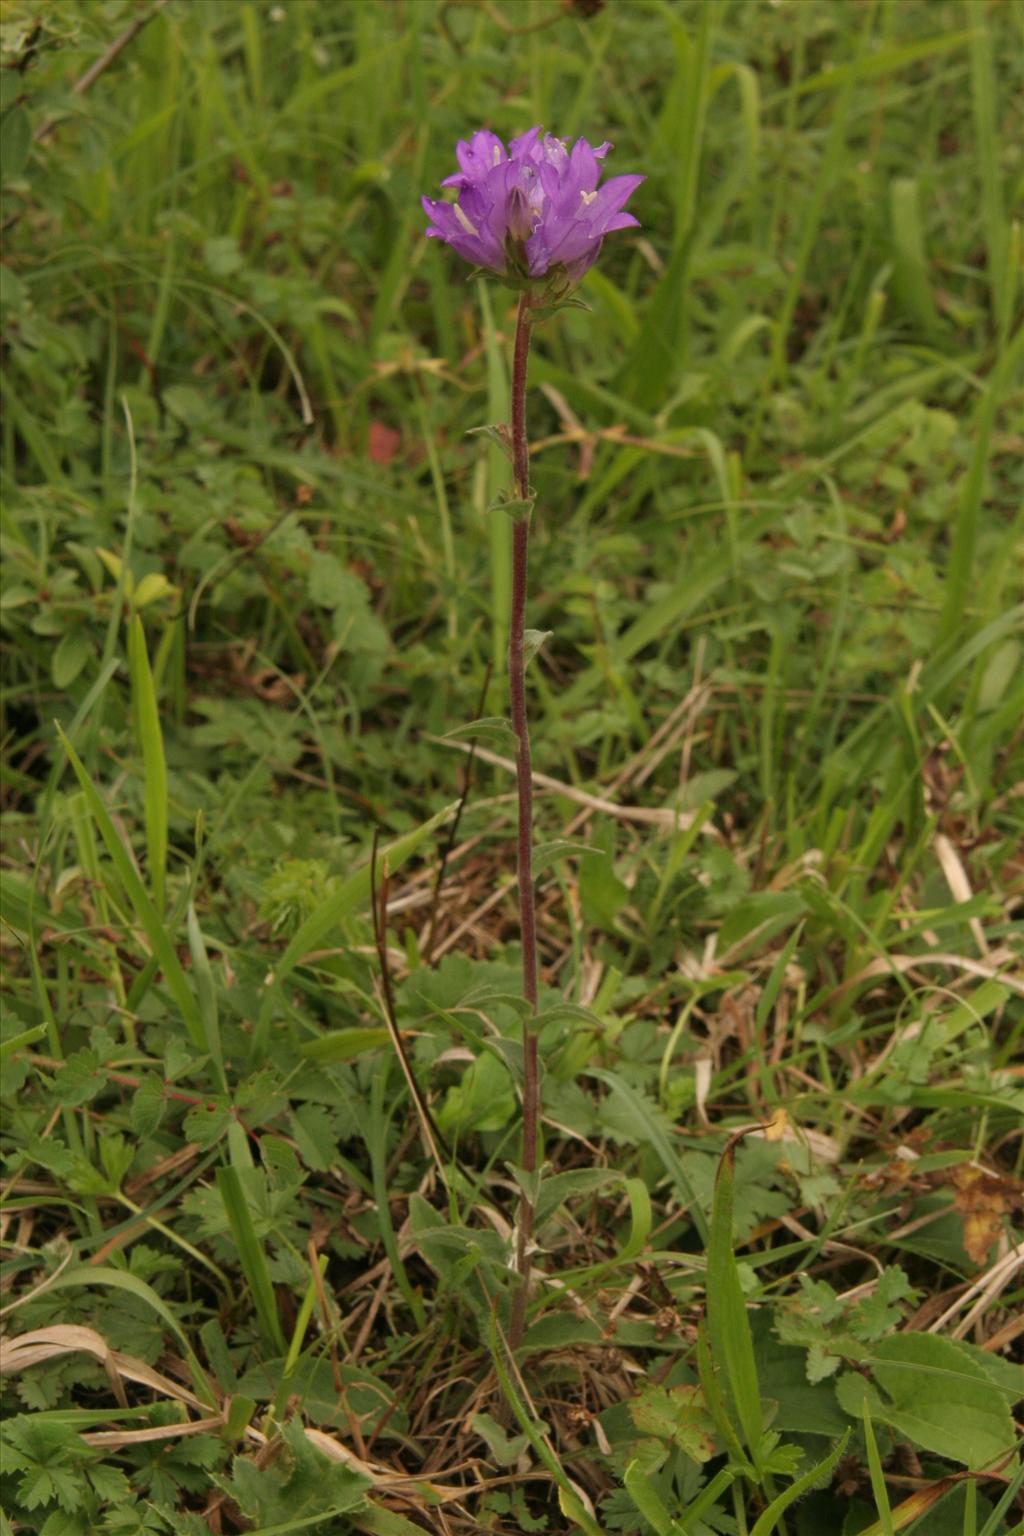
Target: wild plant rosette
{"points": [[534, 214]]}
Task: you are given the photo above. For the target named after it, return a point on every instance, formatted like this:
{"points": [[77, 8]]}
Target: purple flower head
{"points": [[533, 211]]}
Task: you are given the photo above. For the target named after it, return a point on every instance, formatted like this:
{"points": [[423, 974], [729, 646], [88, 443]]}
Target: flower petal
{"points": [[538, 195]]}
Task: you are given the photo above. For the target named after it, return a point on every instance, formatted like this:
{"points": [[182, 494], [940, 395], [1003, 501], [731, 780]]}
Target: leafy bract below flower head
{"points": [[533, 213]]}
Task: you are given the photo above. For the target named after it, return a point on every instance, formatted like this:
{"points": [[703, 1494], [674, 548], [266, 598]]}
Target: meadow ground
{"points": [[251, 584]]}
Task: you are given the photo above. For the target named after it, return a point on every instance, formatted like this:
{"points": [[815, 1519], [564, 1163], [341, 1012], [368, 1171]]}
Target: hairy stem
{"points": [[524, 784]]}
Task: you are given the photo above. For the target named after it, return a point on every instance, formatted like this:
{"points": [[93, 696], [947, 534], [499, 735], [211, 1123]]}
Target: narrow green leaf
{"points": [[728, 1326], [145, 911], [567, 1497], [868, 66], [251, 1256], [878, 1488], [147, 725], [994, 1524], [561, 848], [960, 568], [707, 1498], [637, 1482], [344, 1044], [18, 1042], [640, 1217], [911, 268], [494, 726], [985, 102], [383, 1522], [207, 992]]}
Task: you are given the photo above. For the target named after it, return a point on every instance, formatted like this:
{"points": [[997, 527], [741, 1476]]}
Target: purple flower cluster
{"points": [[533, 211]]}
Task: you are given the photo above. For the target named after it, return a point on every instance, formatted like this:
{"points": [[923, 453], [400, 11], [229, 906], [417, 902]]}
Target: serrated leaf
{"points": [[677, 1414], [206, 1123], [147, 1106], [768, 1522], [80, 1078]]}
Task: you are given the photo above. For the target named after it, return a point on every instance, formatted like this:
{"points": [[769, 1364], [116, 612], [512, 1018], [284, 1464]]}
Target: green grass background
{"points": [[250, 579]]}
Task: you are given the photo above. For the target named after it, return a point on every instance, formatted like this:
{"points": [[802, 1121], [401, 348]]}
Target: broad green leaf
{"points": [[71, 655], [933, 1393]]}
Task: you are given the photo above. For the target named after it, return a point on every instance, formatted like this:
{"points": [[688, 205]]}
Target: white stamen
{"points": [[496, 155], [467, 224], [587, 197]]}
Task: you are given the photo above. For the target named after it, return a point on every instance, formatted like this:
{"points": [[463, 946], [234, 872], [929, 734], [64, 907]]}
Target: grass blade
{"points": [[207, 992], [729, 1334], [878, 1488], [251, 1257], [147, 725], [637, 1483], [983, 100], [145, 911], [960, 569]]}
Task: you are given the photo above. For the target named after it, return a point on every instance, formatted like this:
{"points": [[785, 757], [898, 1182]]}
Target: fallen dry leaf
{"points": [[981, 1200]]}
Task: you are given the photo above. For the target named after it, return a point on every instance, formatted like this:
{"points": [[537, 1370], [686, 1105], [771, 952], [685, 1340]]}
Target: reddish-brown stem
{"points": [[524, 784]]}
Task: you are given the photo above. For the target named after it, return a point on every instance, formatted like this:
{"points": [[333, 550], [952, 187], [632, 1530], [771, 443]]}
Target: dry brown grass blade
{"points": [[888, 964], [28, 1349], [651, 816], [986, 1288], [959, 885], [383, 1477], [121, 1439]]}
